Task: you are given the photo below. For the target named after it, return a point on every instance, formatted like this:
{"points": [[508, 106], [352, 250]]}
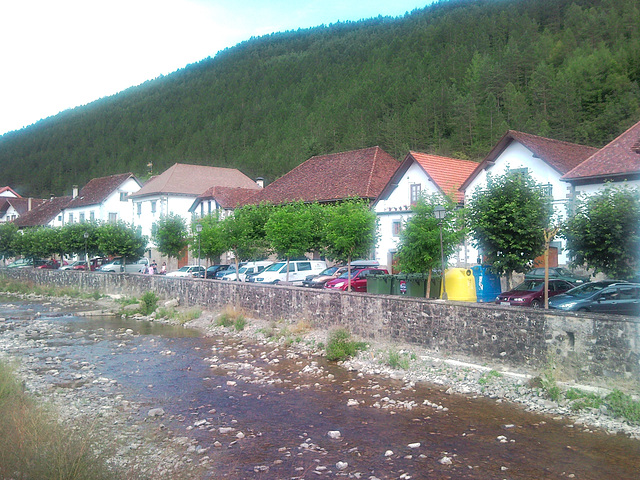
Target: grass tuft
{"points": [[340, 346]]}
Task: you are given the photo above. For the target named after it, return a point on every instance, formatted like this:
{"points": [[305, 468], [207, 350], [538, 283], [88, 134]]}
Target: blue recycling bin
{"points": [[487, 283]]}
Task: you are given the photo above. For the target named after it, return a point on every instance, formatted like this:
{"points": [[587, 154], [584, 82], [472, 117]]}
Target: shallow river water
{"points": [[265, 411]]}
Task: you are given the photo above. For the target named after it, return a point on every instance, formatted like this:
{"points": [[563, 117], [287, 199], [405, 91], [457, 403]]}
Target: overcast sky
{"points": [[58, 54]]}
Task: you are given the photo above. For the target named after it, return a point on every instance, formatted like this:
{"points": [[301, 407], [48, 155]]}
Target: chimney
{"points": [[51, 197], [260, 182], [74, 191], [29, 204]]}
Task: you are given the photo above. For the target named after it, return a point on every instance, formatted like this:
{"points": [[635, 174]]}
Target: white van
{"points": [[130, 266], [298, 271], [247, 269]]}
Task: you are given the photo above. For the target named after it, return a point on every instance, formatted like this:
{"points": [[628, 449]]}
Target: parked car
{"points": [[229, 269], [213, 269], [298, 271], [49, 265], [318, 281], [21, 263], [250, 268], [73, 265], [188, 271], [607, 296], [358, 279], [130, 266], [530, 293], [556, 273]]}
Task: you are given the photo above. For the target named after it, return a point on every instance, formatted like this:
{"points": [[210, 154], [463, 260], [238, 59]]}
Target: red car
{"points": [[358, 279], [530, 293], [50, 265]]}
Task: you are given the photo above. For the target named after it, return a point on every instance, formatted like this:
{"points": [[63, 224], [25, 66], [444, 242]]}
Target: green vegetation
{"points": [[398, 360], [240, 323], [485, 378], [35, 445], [450, 78], [340, 346], [148, 303], [170, 235], [603, 234]]}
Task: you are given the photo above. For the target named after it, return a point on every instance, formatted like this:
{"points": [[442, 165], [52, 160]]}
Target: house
{"points": [[333, 177], [175, 190], [618, 163], [8, 192], [221, 200], [12, 207], [546, 160], [419, 174], [47, 214], [104, 199]]}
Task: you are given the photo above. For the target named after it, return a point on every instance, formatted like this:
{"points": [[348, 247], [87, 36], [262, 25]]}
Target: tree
{"points": [[170, 235], [604, 232], [8, 231], [120, 239], [72, 241], [419, 249], [37, 243], [290, 231], [212, 244], [244, 232], [350, 231], [507, 221]]}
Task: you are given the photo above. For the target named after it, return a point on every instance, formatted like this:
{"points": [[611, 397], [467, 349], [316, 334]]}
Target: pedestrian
{"points": [[163, 270], [151, 269]]}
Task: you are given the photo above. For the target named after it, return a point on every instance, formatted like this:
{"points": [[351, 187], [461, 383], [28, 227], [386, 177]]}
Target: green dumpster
{"points": [[415, 285], [399, 286], [435, 286], [380, 284]]}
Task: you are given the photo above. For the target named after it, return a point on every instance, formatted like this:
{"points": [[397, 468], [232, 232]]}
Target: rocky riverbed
{"points": [[205, 439]]}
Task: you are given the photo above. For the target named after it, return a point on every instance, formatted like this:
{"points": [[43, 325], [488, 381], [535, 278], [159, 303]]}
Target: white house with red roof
{"points": [[8, 192], [546, 160], [12, 207], [419, 174], [221, 201], [617, 163], [104, 199]]}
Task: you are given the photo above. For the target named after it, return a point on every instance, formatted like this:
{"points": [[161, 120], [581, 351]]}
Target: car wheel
{"points": [[536, 304]]}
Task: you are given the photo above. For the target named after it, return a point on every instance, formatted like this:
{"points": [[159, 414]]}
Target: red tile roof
{"points": [[8, 189], [227, 197], [447, 173], [327, 178], [562, 156], [44, 213], [21, 205], [99, 189], [182, 179], [618, 158]]}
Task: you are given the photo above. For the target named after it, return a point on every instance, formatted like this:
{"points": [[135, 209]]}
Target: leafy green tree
{"points": [[350, 231], [170, 235], [120, 239], [72, 241], [212, 242], [244, 233], [8, 231], [604, 232], [290, 231], [419, 249], [38, 243], [507, 221]]}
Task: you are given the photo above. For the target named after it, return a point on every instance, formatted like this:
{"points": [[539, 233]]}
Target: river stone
{"points": [[132, 308], [172, 303], [156, 412], [446, 461], [335, 434], [342, 465], [414, 445]]}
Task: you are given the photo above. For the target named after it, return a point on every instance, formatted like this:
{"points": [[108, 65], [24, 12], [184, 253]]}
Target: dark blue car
{"points": [[608, 296]]}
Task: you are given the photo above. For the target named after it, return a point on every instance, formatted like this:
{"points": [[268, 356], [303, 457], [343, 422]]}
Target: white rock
{"points": [[352, 402], [156, 412], [446, 461], [335, 434], [414, 445], [342, 465], [388, 453]]}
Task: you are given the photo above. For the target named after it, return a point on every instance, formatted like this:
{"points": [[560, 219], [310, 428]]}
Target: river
{"points": [[249, 409]]}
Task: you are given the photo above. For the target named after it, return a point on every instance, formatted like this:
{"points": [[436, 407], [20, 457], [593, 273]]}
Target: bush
{"points": [[148, 303], [341, 347], [398, 360], [240, 323], [622, 405]]}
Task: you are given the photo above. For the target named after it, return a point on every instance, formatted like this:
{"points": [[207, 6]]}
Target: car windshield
{"points": [[586, 289], [563, 271], [184, 269], [346, 274], [529, 286], [275, 267], [243, 270], [329, 271]]}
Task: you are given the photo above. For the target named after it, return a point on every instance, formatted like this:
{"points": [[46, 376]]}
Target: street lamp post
{"points": [[440, 213], [86, 257], [198, 229]]}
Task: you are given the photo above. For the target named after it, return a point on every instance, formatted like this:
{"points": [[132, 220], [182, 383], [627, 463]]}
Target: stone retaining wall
{"points": [[583, 346]]}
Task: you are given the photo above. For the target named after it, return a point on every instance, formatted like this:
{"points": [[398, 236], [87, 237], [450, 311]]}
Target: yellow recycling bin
{"points": [[460, 284]]}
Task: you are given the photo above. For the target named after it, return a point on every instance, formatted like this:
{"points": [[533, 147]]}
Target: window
{"points": [[153, 207], [518, 171], [547, 190], [304, 266], [416, 188], [139, 207], [92, 216], [60, 218], [396, 228], [113, 217], [71, 218], [124, 196], [81, 218]]}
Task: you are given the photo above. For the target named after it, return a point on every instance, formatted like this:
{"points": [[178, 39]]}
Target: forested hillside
{"points": [[448, 79]]}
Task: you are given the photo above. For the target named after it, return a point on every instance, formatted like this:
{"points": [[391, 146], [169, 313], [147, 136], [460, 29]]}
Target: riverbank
{"points": [[151, 444]]}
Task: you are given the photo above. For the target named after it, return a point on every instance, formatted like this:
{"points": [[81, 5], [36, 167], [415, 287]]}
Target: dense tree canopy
{"points": [[604, 233], [507, 220], [450, 78], [170, 235]]}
